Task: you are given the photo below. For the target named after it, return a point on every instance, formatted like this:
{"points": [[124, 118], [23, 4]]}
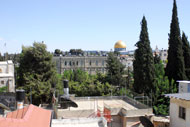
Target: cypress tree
{"points": [[144, 63], [175, 69], [186, 54]]}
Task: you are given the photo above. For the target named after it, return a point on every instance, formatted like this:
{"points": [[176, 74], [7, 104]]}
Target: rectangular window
{"points": [[81, 63], [2, 82], [77, 63], [188, 90], [102, 70], [182, 112], [96, 63], [103, 63]]}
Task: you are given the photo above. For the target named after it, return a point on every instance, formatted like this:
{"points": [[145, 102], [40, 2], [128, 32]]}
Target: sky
{"points": [[86, 24]]}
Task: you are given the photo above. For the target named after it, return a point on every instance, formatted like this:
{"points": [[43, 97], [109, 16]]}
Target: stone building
{"points": [[180, 105], [90, 64], [163, 54], [93, 63], [7, 75], [127, 61]]}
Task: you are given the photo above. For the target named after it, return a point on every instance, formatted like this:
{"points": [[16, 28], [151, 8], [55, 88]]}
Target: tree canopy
{"points": [[115, 70], [36, 72], [76, 52], [57, 52], [161, 87], [83, 84]]}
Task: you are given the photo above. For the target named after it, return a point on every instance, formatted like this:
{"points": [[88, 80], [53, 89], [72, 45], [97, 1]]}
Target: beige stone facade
{"points": [[175, 120], [90, 64]]}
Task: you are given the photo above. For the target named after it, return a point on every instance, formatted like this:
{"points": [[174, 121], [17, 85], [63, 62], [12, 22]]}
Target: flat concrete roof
{"points": [[100, 103], [184, 96], [183, 81], [88, 107]]}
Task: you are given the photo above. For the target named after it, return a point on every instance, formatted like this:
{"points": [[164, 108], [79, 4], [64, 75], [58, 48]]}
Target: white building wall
{"points": [[7, 75], [175, 121], [184, 86], [163, 55]]}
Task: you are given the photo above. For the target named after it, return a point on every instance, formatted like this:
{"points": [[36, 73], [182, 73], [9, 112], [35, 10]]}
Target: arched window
{"points": [[65, 63]]}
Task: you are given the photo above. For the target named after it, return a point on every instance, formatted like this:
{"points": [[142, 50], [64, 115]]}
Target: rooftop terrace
{"points": [[117, 105]]}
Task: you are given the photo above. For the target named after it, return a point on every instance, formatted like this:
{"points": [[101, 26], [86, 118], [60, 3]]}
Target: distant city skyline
{"points": [[87, 24]]}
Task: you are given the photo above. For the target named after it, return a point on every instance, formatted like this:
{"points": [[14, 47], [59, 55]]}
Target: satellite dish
{"points": [[145, 121], [66, 102]]}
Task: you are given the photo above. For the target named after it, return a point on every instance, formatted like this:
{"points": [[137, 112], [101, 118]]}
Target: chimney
{"points": [[66, 88], [20, 96]]}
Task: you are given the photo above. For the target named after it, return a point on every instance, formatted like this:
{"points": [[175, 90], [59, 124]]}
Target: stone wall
{"points": [[175, 121], [90, 64]]}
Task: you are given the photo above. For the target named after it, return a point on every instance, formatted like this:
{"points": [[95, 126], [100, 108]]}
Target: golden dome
{"points": [[120, 44]]}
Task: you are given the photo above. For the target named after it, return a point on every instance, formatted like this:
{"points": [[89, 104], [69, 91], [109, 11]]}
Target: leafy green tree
{"points": [[80, 76], [115, 70], [68, 74], [15, 58], [101, 77], [36, 72], [57, 52], [76, 51], [175, 68], [3, 89], [161, 87], [76, 75], [83, 84], [186, 54], [144, 63]]}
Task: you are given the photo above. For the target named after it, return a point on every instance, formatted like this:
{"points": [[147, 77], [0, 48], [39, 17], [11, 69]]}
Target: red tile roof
{"points": [[30, 116]]}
